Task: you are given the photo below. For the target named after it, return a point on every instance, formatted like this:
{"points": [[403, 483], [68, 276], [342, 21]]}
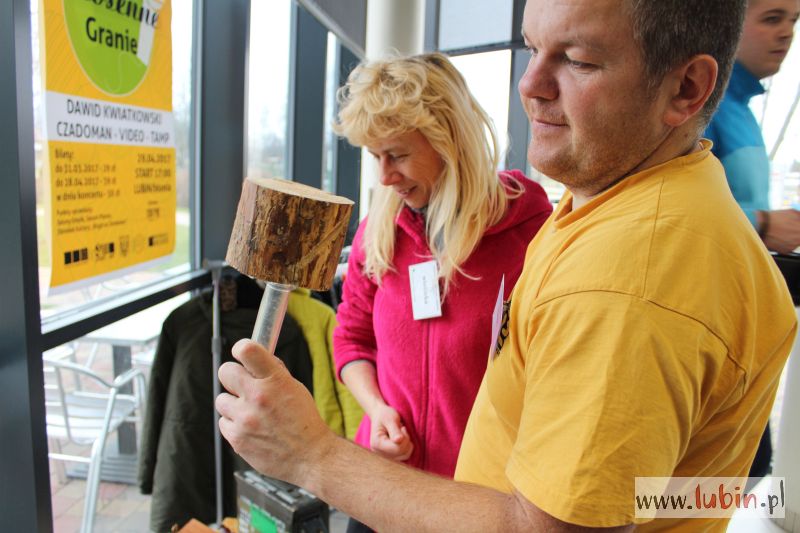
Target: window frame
{"points": [[518, 126], [218, 138]]}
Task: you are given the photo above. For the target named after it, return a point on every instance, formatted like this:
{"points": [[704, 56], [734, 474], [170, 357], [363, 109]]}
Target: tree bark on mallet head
{"points": [[288, 235]]}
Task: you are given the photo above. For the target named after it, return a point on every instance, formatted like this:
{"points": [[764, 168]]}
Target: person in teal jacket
{"points": [[739, 145], [738, 142]]}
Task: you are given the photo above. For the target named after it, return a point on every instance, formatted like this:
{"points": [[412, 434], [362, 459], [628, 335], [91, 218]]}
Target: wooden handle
{"points": [[288, 233]]}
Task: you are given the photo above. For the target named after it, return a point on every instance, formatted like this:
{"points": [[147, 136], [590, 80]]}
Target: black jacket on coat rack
{"points": [[176, 461]]}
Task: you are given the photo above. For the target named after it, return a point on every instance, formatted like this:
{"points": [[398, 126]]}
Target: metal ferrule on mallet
{"points": [[288, 235]]}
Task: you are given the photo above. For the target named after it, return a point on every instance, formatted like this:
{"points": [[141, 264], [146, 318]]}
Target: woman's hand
{"points": [[388, 436]]}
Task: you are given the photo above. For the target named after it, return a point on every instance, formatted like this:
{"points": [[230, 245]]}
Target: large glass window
{"points": [[779, 116], [268, 88], [116, 283], [329, 138], [488, 77], [467, 23]]}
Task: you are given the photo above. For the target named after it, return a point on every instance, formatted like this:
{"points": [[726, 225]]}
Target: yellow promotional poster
{"points": [[107, 73]]}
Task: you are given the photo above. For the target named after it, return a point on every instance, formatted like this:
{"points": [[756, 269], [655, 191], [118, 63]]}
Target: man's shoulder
{"points": [[667, 239]]}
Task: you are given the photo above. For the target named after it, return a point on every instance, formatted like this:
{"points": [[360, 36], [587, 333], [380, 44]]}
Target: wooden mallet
{"points": [[286, 234]]}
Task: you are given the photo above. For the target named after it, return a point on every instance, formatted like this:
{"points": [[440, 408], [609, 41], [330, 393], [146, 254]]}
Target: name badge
{"points": [[497, 318], [425, 300]]}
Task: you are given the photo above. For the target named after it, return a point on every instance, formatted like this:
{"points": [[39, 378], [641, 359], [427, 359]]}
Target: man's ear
{"points": [[689, 87]]}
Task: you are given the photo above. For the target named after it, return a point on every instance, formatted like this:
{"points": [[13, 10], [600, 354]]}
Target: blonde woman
{"points": [[440, 199]]}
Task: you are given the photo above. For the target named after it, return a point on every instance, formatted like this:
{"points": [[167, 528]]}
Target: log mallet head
{"points": [[288, 235]]}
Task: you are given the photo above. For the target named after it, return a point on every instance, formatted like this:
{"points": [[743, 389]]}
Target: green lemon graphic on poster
{"points": [[112, 40]]}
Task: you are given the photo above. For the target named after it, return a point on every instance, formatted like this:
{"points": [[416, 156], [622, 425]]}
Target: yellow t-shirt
{"points": [[645, 337]]}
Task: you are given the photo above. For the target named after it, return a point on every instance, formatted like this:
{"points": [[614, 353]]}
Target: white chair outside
{"points": [[86, 418]]}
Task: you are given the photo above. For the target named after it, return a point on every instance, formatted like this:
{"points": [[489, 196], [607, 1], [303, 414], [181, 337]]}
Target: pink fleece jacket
{"points": [[430, 370]]}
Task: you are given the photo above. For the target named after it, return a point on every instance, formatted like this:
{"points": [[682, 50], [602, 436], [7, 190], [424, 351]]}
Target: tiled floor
{"points": [[120, 508]]}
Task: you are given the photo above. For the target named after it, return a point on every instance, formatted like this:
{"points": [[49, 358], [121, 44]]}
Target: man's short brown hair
{"points": [[670, 32]]}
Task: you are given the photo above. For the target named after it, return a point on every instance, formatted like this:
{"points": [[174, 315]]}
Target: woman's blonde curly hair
{"points": [[387, 98]]}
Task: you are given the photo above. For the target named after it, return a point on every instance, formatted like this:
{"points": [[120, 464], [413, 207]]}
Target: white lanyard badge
{"points": [[425, 299]]}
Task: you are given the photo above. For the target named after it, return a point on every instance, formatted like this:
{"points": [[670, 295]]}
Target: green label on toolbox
{"points": [[261, 521]]}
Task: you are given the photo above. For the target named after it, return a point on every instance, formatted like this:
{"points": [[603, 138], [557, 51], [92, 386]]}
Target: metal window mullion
{"points": [[195, 130], [67, 328], [517, 12], [337, 82], [352, 11], [25, 483], [431, 25], [483, 48], [348, 158], [223, 52], [305, 128], [518, 126]]}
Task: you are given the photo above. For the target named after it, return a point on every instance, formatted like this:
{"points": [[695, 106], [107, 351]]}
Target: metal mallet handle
{"points": [[270, 314]]}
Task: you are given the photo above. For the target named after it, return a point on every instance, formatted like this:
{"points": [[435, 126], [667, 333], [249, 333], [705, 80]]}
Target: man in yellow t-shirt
{"points": [[646, 334], [645, 338]]}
